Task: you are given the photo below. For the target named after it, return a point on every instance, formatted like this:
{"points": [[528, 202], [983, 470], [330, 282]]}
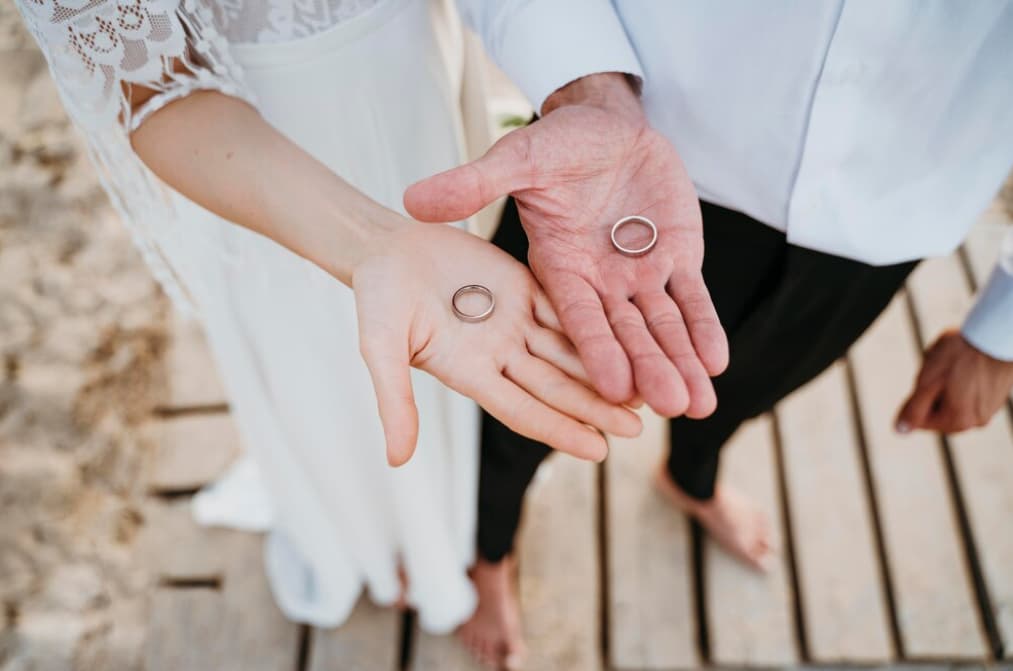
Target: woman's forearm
{"points": [[219, 152]]}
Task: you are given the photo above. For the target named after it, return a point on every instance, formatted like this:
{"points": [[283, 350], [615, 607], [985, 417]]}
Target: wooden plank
{"points": [[843, 605], [370, 640], [191, 451], [240, 625], [177, 549], [749, 614], [441, 653], [931, 584], [257, 635], [193, 379], [558, 566], [184, 630], [241, 628], [651, 614], [983, 458]]}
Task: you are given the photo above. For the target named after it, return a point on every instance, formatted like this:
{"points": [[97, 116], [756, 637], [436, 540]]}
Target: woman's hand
{"points": [[515, 364]]}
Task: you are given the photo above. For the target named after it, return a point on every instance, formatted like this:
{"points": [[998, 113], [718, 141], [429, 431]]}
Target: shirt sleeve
{"points": [[989, 326], [98, 50], [542, 45]]}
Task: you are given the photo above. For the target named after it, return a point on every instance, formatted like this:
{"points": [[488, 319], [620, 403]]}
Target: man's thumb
{"points": [[462, 191]]}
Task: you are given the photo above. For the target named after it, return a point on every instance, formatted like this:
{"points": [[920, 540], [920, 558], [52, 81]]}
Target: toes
{"points": [[488, 656], [514, 656], [468, 641], [514, 662]]}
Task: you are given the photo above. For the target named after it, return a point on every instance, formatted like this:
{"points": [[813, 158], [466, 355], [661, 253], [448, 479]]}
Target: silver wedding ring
{"points": [[637, 251], [473, 289]]}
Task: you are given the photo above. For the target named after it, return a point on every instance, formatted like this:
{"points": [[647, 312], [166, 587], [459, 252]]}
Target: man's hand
{"points": [[959, 388], [643, 326]]}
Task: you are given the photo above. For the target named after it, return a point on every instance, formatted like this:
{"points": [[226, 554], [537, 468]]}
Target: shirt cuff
{"points": [[546, 44], [989, 326]]}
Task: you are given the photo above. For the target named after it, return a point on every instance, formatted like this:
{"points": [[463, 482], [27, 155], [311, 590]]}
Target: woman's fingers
{"points": [[668, 328], [557, 350], [386, 356], [553, 387], [523, 413]]}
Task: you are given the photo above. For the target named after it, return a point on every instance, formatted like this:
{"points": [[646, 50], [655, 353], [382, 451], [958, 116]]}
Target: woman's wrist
{"points": [[348, 229]]}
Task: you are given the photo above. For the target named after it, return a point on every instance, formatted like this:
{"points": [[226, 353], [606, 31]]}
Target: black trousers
{"points": [[789, 314]]}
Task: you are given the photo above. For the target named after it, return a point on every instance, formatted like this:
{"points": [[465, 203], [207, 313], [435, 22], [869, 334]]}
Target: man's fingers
{"points": [[461, 192], [657, 379], [917, 411], [386, 357], [669, 329], [557, 350], [523, 413], [697, 308], [550, 385], [583, 318]]}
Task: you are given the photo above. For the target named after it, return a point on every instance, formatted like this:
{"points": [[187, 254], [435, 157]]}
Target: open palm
{"points": [[515, 364], [642, 325]]}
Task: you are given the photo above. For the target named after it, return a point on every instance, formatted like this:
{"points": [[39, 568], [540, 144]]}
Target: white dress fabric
{"points": [[372, 97]]}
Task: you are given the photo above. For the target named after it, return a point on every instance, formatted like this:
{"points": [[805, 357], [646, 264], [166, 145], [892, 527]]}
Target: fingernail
{"points": [[903, 427]]}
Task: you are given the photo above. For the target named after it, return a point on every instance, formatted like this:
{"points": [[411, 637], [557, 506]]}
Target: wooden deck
{"points": [[893, 550]]}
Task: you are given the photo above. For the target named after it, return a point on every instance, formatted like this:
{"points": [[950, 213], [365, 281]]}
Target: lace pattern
{"points": [[98, 50], [266, 21]]}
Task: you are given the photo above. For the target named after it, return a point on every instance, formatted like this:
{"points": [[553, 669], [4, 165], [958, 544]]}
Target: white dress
{"points": [[366, 87]]}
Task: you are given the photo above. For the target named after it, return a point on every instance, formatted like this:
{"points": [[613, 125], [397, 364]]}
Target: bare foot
{"points": [[730, 519], [493, 634]]}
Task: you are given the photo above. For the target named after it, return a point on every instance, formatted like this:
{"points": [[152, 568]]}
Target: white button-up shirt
{"points": [[877, 131]]}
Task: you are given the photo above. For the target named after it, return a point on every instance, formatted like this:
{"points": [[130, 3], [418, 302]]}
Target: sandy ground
{"points": [[81, 330]]}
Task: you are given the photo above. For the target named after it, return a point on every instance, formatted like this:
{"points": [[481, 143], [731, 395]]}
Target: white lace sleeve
{"points": [[97, 51]]}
